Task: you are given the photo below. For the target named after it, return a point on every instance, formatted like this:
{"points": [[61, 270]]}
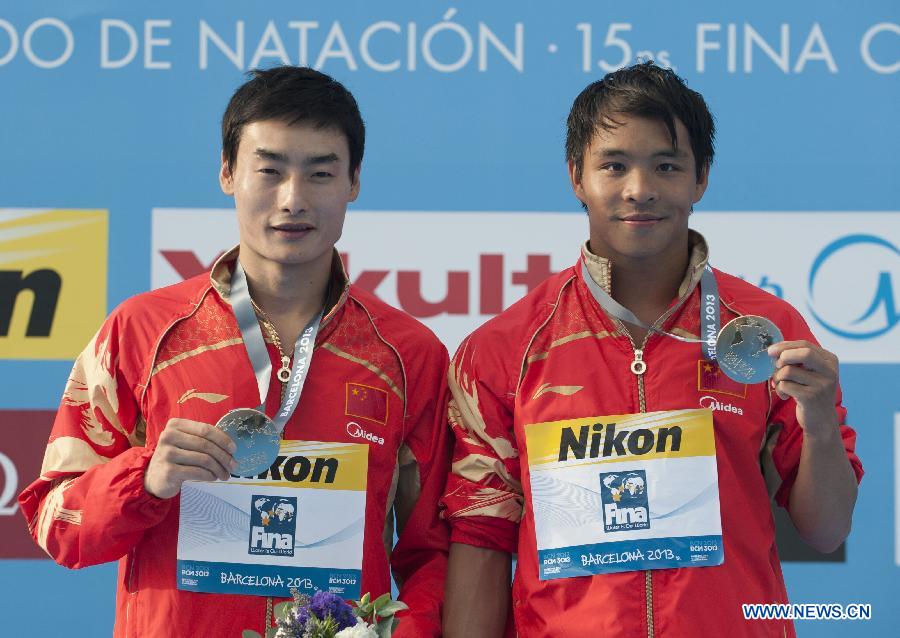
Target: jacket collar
{"points": [[338, 287], [600, 268]]}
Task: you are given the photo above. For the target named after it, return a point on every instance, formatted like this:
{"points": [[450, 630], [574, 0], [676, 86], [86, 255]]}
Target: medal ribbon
{"points": [[259, 356], [709, 310]]}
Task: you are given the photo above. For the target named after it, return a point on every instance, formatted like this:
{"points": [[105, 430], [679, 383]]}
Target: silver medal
{"points": [[256, 437], [742, 348]]}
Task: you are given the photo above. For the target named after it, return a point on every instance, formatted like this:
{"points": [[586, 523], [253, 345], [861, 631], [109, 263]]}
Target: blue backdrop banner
{"points": [[108, 187]]}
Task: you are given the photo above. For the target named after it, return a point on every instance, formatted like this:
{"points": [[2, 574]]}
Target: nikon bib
{"points": [[625, 492], [297, 525]]}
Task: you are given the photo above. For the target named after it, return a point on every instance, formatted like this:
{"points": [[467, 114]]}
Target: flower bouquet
{"points": [[326, 615]]}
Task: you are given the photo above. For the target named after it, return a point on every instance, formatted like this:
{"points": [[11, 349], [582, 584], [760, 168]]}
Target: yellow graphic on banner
{"points": [[52, 281], [620, 437], [312, 464]]}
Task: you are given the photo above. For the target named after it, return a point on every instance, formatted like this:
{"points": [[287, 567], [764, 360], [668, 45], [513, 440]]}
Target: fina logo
{"points": [[624, 499], [841, 265], [273, 525]]}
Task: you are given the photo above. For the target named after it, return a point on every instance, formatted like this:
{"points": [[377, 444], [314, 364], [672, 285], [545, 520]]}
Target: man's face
{"points": [[637, 190], [291, 187]]}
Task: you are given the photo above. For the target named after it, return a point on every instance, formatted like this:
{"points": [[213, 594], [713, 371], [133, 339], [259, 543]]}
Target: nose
{"points": [[639, 188], [292, 196]]}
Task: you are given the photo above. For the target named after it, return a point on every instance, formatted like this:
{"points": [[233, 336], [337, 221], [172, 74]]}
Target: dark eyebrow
{"points": [[272, 156], [316, 160], [677, 154], [616, 152]]}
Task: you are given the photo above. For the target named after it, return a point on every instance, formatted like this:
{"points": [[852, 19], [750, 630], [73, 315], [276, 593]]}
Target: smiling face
{"points": [[638, 191], [291, 186]]}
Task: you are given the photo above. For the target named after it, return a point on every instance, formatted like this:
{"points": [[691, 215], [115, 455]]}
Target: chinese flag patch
{"points": [[366, 402], [711, 379]]}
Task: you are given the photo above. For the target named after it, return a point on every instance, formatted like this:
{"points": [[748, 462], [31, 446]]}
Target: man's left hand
{"points": [[809, 374]]}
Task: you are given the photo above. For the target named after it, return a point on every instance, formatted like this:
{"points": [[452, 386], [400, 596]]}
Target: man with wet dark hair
{"points": [[264, 427], [294, 95], [644, 90], [620, 428]]}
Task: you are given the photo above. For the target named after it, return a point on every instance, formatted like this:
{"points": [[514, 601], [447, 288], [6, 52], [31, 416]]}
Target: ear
{"points": [[354, 186], [701, 185], [226, 178], [575, 179]]}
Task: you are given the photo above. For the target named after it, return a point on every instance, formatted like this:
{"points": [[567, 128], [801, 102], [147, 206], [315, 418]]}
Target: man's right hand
{"points": [[188, 451]]}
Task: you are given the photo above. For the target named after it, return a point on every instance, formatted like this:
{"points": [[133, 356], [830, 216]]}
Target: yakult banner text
{"points": [[845, 282]]}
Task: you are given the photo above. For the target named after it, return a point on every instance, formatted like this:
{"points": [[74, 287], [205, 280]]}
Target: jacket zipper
{"points": [[648, 575], [271, 621], [638, 368]]}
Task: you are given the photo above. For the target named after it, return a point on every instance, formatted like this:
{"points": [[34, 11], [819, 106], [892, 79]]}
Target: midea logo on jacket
{"points": [[712, 403], [851, 287], [355, 430]]}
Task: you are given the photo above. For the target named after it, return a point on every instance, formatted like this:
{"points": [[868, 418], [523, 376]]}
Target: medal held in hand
{"points": [[256, 438], [742, 347]]}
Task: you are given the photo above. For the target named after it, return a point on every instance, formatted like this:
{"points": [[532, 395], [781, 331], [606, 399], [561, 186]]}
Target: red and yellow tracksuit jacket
{"points": [[177, 352], [556, 355]]}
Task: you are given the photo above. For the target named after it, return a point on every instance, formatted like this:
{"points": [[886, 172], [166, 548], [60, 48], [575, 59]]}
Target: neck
{"points": [[647, 286], [289, 294]]}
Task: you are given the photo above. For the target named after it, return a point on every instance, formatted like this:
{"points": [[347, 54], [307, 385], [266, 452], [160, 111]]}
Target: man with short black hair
{"points": [[261, 427], [615, 435]]}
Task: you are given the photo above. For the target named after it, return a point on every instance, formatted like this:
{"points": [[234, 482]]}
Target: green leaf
{"points": [[364, 600], [283, 610], [384, 627], [325, 628], [392, 607], [248, 633], [381, 601], [270, 633], [364, 611]]}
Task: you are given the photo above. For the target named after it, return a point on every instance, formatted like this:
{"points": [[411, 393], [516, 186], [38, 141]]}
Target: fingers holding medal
{"points": [[807, 373], [188, 451]]}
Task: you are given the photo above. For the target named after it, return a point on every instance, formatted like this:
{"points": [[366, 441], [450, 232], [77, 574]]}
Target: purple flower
{"points": [[290, 627], [302, 615], [324, 604]]}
